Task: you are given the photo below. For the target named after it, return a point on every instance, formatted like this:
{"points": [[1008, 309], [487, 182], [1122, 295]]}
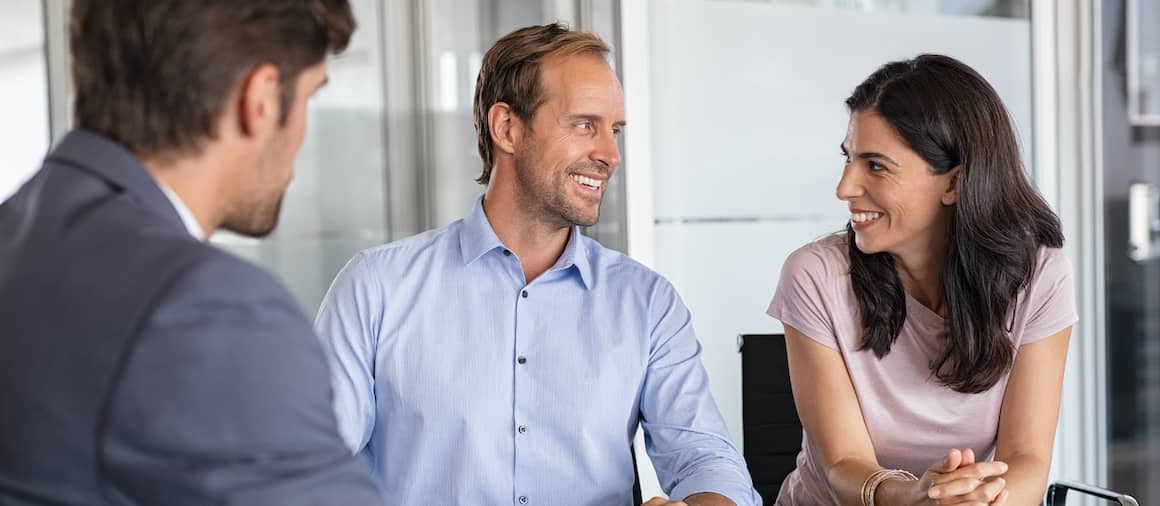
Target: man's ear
{"points": [[505, 127], [259, 101], [950, 194]]}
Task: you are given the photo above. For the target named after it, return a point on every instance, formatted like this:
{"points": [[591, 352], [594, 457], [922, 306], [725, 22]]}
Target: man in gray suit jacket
{"points": [[139, 365]]}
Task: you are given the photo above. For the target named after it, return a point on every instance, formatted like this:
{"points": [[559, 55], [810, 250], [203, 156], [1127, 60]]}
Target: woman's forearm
{"points": [[846, 478], [1026, 480]]}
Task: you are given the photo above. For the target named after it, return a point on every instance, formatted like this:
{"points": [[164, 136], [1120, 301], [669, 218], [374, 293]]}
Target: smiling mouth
{"points": [[864, 217], [587, 182]]}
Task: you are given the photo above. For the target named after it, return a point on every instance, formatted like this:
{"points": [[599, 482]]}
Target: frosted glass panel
{"points": [[458, 38], [750, 113], [24, 137]]}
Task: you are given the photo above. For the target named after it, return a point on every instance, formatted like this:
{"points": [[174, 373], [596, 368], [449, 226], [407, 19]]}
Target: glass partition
{"points": [[1143, 47]]}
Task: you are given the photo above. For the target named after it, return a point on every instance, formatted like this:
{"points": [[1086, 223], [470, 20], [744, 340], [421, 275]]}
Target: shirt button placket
{"points": [[524, 326]]}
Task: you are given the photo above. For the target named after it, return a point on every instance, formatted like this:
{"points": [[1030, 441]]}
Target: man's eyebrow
{"points": [[595, 118]]}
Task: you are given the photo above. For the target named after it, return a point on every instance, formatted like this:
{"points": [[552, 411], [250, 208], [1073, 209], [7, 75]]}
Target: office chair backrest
{"points": [[770, 423], [636, 497]]}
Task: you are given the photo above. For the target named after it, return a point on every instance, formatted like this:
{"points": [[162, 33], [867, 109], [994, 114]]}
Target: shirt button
{"points": [[522, 359], [523, 499], [507, 253], [523, 429], [524, 294]]}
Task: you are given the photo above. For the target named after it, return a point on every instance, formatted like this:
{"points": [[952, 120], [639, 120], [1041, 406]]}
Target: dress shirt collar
{"points": [[183, 211], [478, 238]]}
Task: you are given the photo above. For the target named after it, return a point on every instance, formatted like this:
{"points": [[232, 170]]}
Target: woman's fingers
{"points": [[968, 457], [953, 489], [978, 471], [949, 463], [968, 490], [1001, 500]]}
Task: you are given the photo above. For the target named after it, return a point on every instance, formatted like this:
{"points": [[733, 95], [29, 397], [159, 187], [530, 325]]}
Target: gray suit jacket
{"points": [[141, 366]]}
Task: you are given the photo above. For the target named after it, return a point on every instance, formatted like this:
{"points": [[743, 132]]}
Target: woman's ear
{"points": [[950, 195]]}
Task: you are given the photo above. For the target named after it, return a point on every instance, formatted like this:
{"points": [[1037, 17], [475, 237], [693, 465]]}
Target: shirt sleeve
{"points": [[224, 399], [800, 298], [685, 435], [1050, 297], [348, 323]]}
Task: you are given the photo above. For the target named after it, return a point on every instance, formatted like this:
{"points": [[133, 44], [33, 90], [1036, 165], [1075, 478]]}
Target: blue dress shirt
{"points": [[462, 384]]}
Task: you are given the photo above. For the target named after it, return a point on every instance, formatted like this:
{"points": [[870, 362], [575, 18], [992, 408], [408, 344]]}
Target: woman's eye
{"points": [[876, 167], [584, 125]]}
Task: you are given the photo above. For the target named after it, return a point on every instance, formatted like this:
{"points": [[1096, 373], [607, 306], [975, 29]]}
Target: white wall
{"points": [[23, 93]]}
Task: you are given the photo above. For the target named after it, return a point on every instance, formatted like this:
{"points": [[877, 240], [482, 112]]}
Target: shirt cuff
{"points": [[718, 481]]}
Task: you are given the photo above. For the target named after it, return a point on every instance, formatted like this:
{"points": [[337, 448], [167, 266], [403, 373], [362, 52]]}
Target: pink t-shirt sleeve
{"points": [[804, 292], [1050, 298]]}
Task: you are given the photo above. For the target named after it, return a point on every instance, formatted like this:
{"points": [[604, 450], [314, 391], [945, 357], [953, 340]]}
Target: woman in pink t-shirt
{"points": [[934, 330]]}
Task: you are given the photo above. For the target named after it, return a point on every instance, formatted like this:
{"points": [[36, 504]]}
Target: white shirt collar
{"points": [[183, 211]]}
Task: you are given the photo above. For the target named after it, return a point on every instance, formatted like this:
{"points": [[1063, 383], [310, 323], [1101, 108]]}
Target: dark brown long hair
{"points": [[951, 117]]}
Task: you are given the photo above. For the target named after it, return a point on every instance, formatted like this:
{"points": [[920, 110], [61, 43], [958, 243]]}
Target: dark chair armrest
{"points": [[1057, 493]]}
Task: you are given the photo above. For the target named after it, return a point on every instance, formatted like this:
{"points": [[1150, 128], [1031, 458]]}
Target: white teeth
{"points": [[862, 217], [587, 181]]}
